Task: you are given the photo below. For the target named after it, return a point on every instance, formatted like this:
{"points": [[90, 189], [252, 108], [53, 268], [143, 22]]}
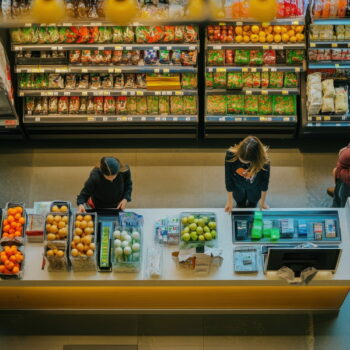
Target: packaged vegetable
{"points": [[135, 57], [106, 56], [45, 105], [290, 80], [129, 81], [56, 81], [284, 105], [16, 35], [117, 34], [95, 82], [276, 80], [169, 34], [141, 34], [94, 34], [131, 106], [117, 57], [242, 57], [74, 105], [265, 80], [109, 105], [251, 104], [75, 56], [98, 105], [141, 81], [150, 57], [70, 35], [280, 57], [235, 104], [120, 106], [216, 105], [141, 105], [209, 80], [295, 56], [83, 81], [29, 105], [341, 100], [90, 108], [83, 35], [179, 34], [269, 57], [256, 57], [164, 57], [152, 105], [189, 58], [248, 80], [96, 57], [86, 57], [189, 81], [155, 34], [82, 9], [176, 105], [53, 33], [229, 54], [106, 81], [219, 80], [53, 105], [118, 81], [42, 36], [105, 35], [265, 105], [190, 105], [190, 34], [256, 80], [176, 57], [328, 88], [128, 35], [217, 57], [83, 105], [63, 105], [164, 107]]}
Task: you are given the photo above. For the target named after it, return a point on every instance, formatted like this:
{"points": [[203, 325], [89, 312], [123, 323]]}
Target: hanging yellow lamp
{"points": [[120, 11], [48, 11], [263, 10], [195, 9]]}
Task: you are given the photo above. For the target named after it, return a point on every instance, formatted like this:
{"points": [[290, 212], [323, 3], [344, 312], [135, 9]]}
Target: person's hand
{"points": [[229, 206], [263, 206], [122, 204], [81, 209]]}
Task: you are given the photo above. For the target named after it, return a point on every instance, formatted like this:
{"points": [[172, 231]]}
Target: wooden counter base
{"points": [[173, 298]]}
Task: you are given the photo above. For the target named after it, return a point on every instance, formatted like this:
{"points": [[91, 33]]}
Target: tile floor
{"points": [[172, 178]]}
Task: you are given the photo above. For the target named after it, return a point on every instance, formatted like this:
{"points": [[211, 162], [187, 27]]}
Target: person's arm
{"points": [[229, 182], [334, 175], [127, 190], [85, 193], [264, 187]]}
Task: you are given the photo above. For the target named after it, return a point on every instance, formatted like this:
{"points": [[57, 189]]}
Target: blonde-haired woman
{"points": [[247, 174]]}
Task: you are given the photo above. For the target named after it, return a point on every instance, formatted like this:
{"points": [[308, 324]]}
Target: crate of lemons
{"points": [[83, 243], [198, 228]]}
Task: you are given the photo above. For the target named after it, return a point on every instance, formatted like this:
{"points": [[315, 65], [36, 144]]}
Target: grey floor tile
{"points": [[171, 343], [257, 342]]}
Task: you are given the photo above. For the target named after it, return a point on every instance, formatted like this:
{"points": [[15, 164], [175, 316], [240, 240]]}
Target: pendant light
{"points": [[263, 10], [120, 11], [48, 11]]}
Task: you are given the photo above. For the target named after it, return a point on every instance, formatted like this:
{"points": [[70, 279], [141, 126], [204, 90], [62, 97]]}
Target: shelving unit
{"points": [[100, 125], [237, 125]]}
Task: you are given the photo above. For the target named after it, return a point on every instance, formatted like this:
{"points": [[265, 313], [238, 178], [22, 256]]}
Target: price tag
{"points": [[210, 70], [239, 23], [125, 119], [53, 48], [217, 47], [96, 24], [143, 119], [334, 45], [128, 48], [327, 118], [18, 48], [265, 24], [336, 65], [175, 119], [110, 70], [60, 48], [277, 47], [91, 119], [55, 93], [286, 119], [265, 47], [117, 70], [84, 93], [21, 94], [166, 70], [238, 119], [169, 47], [265, 69], [244, 70], [132, 93], [105, 119], [9, 122], [318, 118], [164, 93], [156, 70], [273, 69], [157, 119], [164, 119], [221, 70], [222, 24], [253, 70], [156, 48], [192, 47], [67, 24], [36, 70], [348, 44], [66, 93], [297, 70], [169, 93], [118, 47], [139, 93], [264, 92], [179, 93], [124, 93], [262, 119], [106, 93], [96, 93], [44, 93], [248, 92], [285, 92], [37, 119], [312, 45], [157, 93], [84, 70], [27, 24], [119, 119], [295, 23], [309, 118]]}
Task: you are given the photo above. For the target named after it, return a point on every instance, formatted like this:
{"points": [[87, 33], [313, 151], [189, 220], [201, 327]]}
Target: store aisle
{"points": [[162, 177]]}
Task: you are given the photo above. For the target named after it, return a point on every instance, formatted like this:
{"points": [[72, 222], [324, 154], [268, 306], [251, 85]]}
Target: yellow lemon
{"points": [[255, 29], [299, 29], [254, 38], [239, 38], [269, 38], [293, 39], [284, 29], [291, 32], [262, 39], [239, 30], [269, 29], [262, 34], [285, 38], [277, 29], [300, 37], [246, 39], [277, 38], [246, 28]]}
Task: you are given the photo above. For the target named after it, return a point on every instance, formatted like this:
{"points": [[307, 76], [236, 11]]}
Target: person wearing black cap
{"points": [[108, 186]]}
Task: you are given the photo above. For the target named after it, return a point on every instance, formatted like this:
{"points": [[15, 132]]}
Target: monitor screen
{"points": [[298, 259]]}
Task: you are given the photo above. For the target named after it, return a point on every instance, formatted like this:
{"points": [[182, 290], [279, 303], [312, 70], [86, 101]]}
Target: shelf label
{"points": [[157, 93], [286, 119], [118, 47], [285, 92], [265, 47], [124, 93], [334, 45], [60, 48], [18, 48], [169, 93], [265, 69], [117, 70], [169, 47], [210, 70], [110, 70], [143, 119], [318, 118], [66, 93], [84, 93], [297, 70], [27, 24], [277, 47], [91, 119], [295, 23], [166, 70], [312, 45], [106, 93], [157, 119], [37, 119], [192, 47], [128, 48], [156, 48], [273, 69], [105, 119], [156, 70], [67, 24], [264, 92], [125, 119], [55, 93], [222, 24], [221, 70], [44, 93], [139, 93], [175, 119], [348, 44], [248, 92], [265, 24], [188, 119], [262, 119], [132, 93], [244, 70], [253, 70], [21, 94], [239, 23], [84, 70], [337, 65], [53, 48], [96, 24], [179, 93], [217, 47]]}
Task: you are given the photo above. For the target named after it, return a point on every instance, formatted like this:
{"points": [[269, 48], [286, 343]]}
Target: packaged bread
{"points": [[328, 88], [341, 100], [327, 105]]}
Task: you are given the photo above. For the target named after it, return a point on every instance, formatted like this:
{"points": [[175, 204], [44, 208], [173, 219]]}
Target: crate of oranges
{"points": [[13, 223], [11, 262]]}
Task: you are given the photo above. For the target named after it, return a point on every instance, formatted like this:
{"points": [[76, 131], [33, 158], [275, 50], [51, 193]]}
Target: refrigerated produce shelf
{"points": [[279, 21], [114, 46], [247, 91], [251, 119], [223, 69], [106, 69], [328, 118], [330, 21], [106, 92], [328, 65], [330, 44], [247, 46]]}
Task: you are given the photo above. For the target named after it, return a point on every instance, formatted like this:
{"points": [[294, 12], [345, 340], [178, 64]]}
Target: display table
{"points": [[178, 289]]}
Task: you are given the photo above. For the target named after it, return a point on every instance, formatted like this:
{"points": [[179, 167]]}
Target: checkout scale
{"points": [[294, 239]]}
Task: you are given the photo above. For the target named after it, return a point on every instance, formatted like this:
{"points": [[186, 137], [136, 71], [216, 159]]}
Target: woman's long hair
{"points": [[105, 169], [251, 150]]}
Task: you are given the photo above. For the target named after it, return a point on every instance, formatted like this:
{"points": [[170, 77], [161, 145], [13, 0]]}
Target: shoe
{"points": [[330, 191]]}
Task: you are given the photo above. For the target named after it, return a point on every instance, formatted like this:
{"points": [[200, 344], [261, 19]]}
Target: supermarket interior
{"points": [[170, 242]]}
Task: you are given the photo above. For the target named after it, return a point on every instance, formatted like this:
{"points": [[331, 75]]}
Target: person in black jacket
{"points": [[247, 174], [108, 186]]}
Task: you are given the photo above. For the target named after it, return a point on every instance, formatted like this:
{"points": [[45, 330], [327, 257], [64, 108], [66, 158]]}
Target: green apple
{"points": [[196, 221], [213, 234], [208, 236], [193, 227], [205, 219], [201, 238], [212, 225], [194, 236], [199, 230], [186, 237], [206, 229], [186, 230], [190, 219], [184, 220], [201, 223]]}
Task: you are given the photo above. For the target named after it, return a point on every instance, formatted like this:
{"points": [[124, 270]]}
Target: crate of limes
{"points": [[198, 227]]}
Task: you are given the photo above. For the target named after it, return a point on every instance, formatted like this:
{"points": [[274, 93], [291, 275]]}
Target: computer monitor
{"points": [[298, 259]]}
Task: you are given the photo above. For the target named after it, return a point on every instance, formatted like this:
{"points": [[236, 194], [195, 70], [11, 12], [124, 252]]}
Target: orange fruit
{"points": [[15, 269], [277, 38], [18, 234], [18, 216], [6, 228], [19, 210], [11, 231], [21, 220], [19, 257], [285, 38], [13, 224], [255, 29], [239, 30], [10, 219], [11, 211], [13, 258], [3, 258], [5, 222], [9, 265], [2, 268]]}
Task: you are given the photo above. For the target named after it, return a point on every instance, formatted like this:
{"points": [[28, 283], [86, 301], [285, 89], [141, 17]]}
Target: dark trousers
{"points": [[247, 197], [341, 194]]}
